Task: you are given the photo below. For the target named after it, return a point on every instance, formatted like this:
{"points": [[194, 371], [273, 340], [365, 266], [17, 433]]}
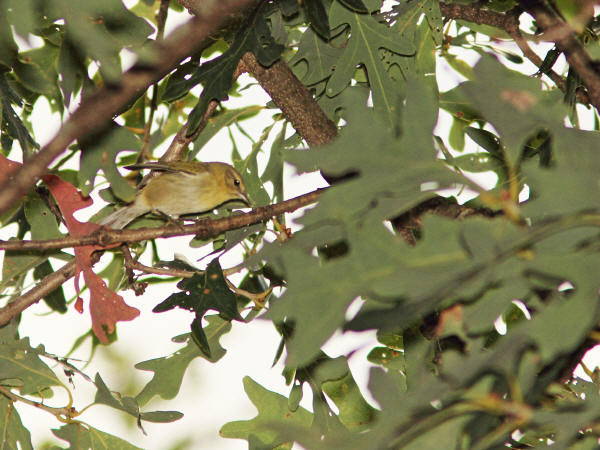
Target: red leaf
{"points": [[79, 305], [106, 307]]}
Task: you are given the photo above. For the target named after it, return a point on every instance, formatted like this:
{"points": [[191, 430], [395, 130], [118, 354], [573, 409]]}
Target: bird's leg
{"points": [[171, 219]]}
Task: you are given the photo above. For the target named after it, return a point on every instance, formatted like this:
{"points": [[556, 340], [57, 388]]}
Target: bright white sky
{"points": [[211, 394]]}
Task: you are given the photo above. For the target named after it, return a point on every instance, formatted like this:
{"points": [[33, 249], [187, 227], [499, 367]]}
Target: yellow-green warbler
{"points": [[182, 188]]}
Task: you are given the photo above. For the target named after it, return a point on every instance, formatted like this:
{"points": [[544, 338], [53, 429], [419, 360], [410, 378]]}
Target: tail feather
{"points": [[122, 217]]}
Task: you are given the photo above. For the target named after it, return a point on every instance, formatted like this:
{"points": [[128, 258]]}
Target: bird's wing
{"points": [[172, 167]]}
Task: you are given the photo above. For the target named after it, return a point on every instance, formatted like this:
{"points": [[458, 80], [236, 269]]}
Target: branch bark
{"points": [[34, 295], [287, 92], [294, 100], [508, 22], [554, 30], [566, 41], [99, 108], [203, 228]]}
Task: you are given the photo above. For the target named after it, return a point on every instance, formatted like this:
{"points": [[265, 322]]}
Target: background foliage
{"points": [[437, 280]]}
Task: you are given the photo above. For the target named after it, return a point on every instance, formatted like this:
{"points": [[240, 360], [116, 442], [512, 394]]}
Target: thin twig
{"points": [[257, 298], [62, 414], [138, 287], [181, 141], [161, 18]]}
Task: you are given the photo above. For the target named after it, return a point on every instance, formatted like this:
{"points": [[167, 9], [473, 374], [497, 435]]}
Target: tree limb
{"points": [[100, 107], [181, 141], [203, 228], [295, 101], [566, 41], [508, 22], [287, 92], [34, 295]]}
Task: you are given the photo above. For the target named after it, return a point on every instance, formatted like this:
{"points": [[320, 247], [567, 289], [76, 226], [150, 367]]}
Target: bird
{"points": [[181, 188]]}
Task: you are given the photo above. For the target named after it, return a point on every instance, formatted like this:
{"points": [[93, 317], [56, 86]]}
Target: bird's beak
{"points": [[244, 197]]}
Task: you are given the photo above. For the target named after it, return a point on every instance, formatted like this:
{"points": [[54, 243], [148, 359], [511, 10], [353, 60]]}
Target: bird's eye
{"points": [[236, 182]]}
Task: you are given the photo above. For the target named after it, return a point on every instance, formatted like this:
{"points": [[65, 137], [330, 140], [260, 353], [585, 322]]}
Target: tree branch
{"points": [[508, 22], [294, 100], [181, 141], [63, 414], [287, 92], [566, 41], [203, 228], [34, 295], [99, 108]]}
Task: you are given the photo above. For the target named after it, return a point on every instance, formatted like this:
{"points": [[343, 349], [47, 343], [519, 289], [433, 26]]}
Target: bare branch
{"points": [[62, 414], [294, 100], [99, 108]]}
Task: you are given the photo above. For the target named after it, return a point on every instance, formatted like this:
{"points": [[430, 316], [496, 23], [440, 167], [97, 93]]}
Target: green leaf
{"points": [[101, 30], [354, 412], [169, 370], [216, 75], [73, 71], [248, 168], [513, 103], [42, 221], [203, 292], [14, 434], [459, 105], [569, 185], [219, 121], [459, 65], [367, 37], [8, 48], [355, 5], [486, 140], [19, 361], [12, 127], [317, 16], [99, 152], [130, 405], [56, 299], [476, 162], [450, 432], [434, 19], [84, 437], [479, 316], [318, 54], [488, 30], [36, 71], [161, 416], [273, 413], [18, 263]]}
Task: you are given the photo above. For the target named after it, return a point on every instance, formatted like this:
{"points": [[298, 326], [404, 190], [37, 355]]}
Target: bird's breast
{"points": [[181, 193]]}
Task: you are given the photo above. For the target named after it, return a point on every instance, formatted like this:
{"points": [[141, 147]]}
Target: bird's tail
{"points": [[123, 216]]}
